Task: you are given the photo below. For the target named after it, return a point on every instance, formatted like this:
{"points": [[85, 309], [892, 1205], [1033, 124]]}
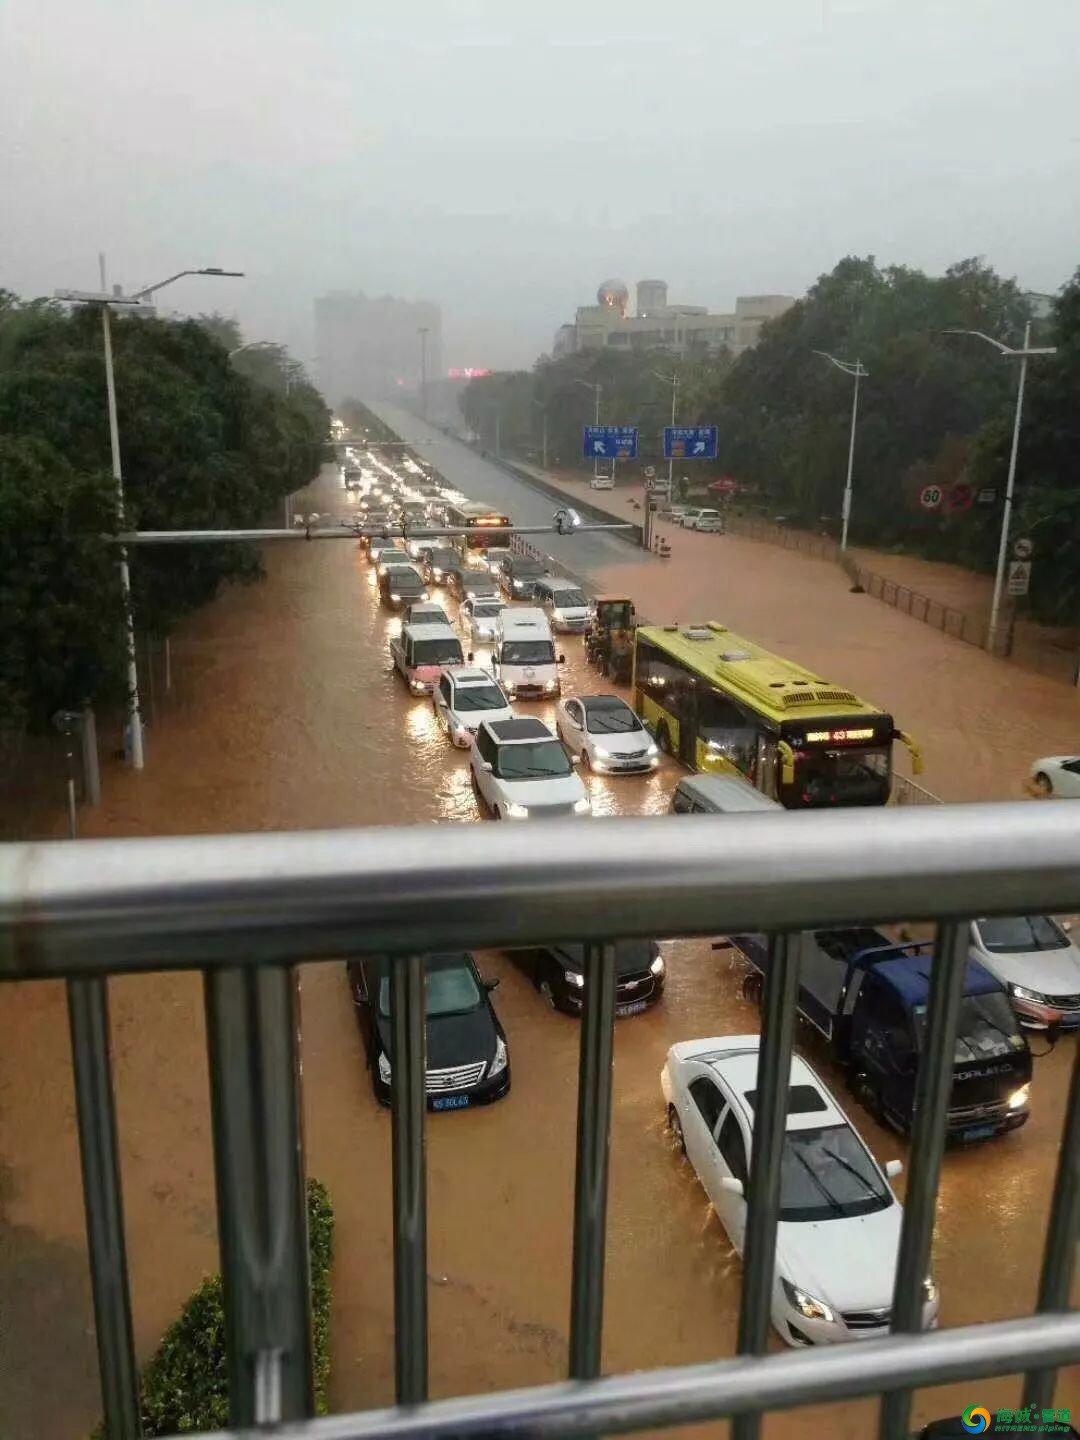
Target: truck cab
{"points": [[868, 997]]}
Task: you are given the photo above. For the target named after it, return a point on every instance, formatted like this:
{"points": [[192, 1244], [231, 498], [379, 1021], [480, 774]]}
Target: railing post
{"points": [[251, 1022], [1062, 1235], [933, 1086], [408, 1101], [591, 1178], [88, 1015], [770, 1124]]}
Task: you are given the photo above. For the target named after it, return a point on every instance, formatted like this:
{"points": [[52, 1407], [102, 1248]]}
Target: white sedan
{"points": [[838, 1236], [462, 697], [605, 733], [1058, 775], [479, 618]]}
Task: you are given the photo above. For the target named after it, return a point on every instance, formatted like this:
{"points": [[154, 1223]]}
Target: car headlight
{"points": [[384, 1068], [558, 615], [470, 594], [601, 753], [1019, 1098], [437, 574], [498, 1064], [658, 967], [551, 684], [575, 978], [807, 1305], [1021, 992], [394, 596], [417, 687], [582, 806], [516, 811], [653, 750], [929, 1290]]}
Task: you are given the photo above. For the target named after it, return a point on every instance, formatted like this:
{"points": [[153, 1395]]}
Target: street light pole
{"points": [[105, 301], [1023, 355], [673, 381], [855, 369]]}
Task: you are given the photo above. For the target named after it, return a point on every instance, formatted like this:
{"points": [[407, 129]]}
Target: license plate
{"points": [[633, 1009], [450, 1102], [978, 1132]]}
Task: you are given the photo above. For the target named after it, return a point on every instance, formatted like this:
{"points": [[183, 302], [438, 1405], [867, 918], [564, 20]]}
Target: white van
{"points": [[524, 659], [564, 603], [719, 795]]}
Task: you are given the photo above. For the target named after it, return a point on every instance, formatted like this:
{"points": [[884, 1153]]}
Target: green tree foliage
{"points": [[202, 447], [185, 1385]]}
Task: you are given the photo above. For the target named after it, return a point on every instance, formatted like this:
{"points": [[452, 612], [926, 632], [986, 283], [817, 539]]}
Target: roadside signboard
{"points": [[961, 497], [690, 442], [930, 497], [1019, 577], [987, 496], [1022, 548], [610, 442]]}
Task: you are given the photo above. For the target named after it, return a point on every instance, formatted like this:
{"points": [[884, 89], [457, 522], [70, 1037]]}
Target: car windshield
{"points": [[437, 652], [442, 559], [611, 720], [840, 777], [827, 1175], [569, 600], [528, 652], [1020, 933], [478, 697], [524, 568], [986, 1029], [404, 580], [393, 557], [485, 611], [449, 991], [544, 760]]}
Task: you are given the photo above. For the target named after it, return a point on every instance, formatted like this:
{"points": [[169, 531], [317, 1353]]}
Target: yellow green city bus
{"points": [[723, 705]]}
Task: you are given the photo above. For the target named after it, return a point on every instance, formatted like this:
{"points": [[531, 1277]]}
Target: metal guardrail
{"points": [[245, 908]]}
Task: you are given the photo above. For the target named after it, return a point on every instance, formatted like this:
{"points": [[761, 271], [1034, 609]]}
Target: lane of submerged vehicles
{"points": [[864, 994]]}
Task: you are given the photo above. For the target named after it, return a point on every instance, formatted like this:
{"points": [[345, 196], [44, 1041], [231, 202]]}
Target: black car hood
{"points": [[462, 1039], [631, 956]]}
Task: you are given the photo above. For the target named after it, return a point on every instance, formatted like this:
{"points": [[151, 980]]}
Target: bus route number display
{"points": [[841, 737]]}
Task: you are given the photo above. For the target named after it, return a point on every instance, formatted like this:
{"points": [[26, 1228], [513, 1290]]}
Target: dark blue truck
{"points": [[867, 997]]}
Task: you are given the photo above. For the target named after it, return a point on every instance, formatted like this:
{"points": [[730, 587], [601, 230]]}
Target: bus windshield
{"points": [[839, 777]]}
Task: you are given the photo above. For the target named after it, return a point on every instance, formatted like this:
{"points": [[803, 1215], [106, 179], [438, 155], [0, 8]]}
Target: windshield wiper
{"points": [[847, 1165], [829, 1196]]}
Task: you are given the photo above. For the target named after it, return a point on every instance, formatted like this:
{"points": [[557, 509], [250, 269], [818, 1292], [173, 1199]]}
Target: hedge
{"points": [[185, 1385]]}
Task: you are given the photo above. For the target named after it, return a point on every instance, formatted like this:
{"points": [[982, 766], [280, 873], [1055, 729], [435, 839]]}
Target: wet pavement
{"points": [[286, 714]]}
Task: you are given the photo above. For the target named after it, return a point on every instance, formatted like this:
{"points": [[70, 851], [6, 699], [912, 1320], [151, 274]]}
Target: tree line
{"points": [[935, 415], [208, 440]]}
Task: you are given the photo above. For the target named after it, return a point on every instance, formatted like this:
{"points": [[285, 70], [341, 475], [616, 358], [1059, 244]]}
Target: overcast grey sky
{"points": [[503, 158]]}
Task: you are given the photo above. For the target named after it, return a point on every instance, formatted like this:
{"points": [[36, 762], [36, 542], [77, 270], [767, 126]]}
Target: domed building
{"points": [[613, 295]]}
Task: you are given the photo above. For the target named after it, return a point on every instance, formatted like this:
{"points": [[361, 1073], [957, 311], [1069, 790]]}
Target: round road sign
{"points": [[961, 496], [930, 497], [1023, 548]]}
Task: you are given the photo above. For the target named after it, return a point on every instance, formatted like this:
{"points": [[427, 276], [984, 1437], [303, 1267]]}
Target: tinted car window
{"points": [[568, 600], [1020, 933], [448, 992], [826, 1174], [708, 1100], [987, 1028], [612, 720], [528, 652], [544, 760], [479, 697], [732, 1148], [437, 652]]}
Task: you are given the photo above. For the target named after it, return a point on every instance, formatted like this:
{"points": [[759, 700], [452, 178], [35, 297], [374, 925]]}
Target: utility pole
{"points": [[673, 381], [855, 369]]}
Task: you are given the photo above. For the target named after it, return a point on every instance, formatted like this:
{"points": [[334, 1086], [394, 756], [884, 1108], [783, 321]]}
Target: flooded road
{"points": [[286, 714]]}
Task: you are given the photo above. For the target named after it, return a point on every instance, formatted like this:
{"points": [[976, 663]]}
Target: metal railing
{"points": [[245, 909]]}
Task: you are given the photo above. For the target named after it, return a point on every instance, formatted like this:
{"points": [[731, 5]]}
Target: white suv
{"points": [[463, 697], [521, 771], [703, 520]]}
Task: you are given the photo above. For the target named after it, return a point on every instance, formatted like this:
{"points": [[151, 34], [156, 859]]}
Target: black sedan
{"points": [[438, 564], [467, 1059], [468, 583], [518, 576], [558, 972]]}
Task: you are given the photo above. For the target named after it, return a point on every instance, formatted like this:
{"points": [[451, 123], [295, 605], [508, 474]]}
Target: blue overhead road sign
{"points": [[690, 442], [610, 442]]}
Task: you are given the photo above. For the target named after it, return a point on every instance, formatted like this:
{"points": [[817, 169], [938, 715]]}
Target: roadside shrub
{"points": [[185, 1385]]}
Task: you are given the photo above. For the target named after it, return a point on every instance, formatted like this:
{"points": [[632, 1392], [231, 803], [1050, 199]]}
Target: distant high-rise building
{"points": [[659, 323], [375, 347]]}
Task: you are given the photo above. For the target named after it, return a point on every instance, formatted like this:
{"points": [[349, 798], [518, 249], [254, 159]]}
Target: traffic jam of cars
{"points": [[483, 662]]}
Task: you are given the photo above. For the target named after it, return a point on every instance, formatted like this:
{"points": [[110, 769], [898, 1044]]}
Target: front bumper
{"points": [[1037, 1015], [984, 1122], [632, 996], [796, 1330], [485, 1093], [619, 766]]}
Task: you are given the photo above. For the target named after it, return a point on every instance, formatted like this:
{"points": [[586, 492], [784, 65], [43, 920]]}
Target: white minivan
{"points": [[524, 658], [564, 603]]}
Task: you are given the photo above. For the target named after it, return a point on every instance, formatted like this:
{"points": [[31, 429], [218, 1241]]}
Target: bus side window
{"points": [[730, 729]]}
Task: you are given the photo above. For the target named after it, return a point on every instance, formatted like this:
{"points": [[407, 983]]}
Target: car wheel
{"points": [[663, 738], [1043, 784], [675, 1127], [753, 989]]}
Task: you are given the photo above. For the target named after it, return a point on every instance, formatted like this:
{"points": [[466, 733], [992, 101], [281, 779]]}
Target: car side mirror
{"points": [[562, 659], [731, 1185], [492, 984], [469, 656], [893, 1168]]}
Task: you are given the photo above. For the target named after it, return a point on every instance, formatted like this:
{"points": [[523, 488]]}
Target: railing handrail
{"points": [[238, 900]]}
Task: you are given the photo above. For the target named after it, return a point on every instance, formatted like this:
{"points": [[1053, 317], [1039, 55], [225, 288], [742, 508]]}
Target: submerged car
{"points": [[558, 972], [1038, 964], [467, 1059], [463, 697], [521, 771], [607, 734], [838, 1237]]}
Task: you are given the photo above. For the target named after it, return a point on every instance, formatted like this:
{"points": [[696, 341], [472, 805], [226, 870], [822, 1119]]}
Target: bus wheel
{"points": [[753, 989], [663, 739]]}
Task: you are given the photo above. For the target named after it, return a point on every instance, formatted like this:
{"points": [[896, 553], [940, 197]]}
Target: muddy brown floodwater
{"points": [[286, 714]]}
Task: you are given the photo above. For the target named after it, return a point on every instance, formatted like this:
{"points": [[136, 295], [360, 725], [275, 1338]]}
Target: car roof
{"points": [[507, 732], [735, 1061], [435, 631], [727, 793], [602, 702], [469, 675]]}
